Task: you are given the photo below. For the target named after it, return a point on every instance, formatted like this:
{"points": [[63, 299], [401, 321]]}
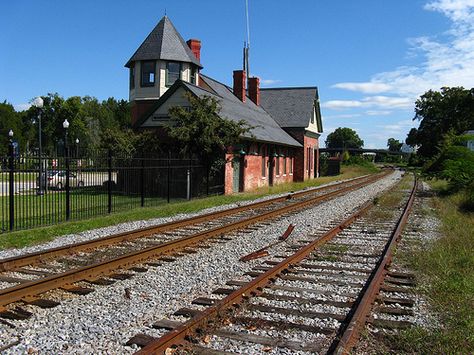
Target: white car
{"points": [[57, 179]]}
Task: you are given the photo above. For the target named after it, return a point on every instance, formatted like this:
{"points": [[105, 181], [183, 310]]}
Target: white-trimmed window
{"points": [[132, 76], [148, 69], [193, 75], [173, 72]]}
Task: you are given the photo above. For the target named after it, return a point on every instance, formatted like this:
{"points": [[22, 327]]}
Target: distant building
{"points": [[407, 148], [282, 146], [470, 143]]}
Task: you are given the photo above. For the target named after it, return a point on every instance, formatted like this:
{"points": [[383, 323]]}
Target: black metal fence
{"points": [[37, 191]]}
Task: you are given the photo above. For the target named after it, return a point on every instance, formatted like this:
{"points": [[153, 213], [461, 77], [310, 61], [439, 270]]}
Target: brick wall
{"points": [[252, 165], [301, 155]]}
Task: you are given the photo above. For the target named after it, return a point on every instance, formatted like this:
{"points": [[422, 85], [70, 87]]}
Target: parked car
{"points": [[57, 179]]}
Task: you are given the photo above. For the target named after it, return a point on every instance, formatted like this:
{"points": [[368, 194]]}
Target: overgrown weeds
{"points": [[447, 271]]}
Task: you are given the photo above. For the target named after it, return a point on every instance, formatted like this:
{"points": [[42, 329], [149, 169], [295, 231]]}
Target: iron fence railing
{"points": [[74, 187]]}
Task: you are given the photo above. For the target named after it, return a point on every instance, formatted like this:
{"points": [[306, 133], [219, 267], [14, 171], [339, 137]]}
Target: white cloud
{"points": [[22, 107], [270, 81], [389, 101], [446, 60], [371, 101], [366, 88], [341, 104], [399, 127], [456, 10], [377, 113]]}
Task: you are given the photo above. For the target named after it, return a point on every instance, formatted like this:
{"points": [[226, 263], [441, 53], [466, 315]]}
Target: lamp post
{"points": [[77, 147], [38, 102], [66, 152], [11, 186], [78, 161]]}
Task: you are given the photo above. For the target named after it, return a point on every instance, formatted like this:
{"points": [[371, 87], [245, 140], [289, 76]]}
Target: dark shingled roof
{"points": [[290, 107], [165, 43], [265, 128]]}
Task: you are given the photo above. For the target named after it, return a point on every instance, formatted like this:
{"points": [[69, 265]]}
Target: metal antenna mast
{"points": [[247, 45]]}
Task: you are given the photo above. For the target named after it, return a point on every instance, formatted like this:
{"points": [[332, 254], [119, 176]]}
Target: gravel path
{"points": [[104, 320]]}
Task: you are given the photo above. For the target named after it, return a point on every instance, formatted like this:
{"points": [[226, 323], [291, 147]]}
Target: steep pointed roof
{"points": [[165, 43]]}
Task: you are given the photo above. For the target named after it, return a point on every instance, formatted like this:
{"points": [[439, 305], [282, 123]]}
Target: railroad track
{"points": [[98, 261], [314, 300]]}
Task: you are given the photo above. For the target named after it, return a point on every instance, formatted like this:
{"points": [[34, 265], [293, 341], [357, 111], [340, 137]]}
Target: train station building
{"points": [[283, 143]]}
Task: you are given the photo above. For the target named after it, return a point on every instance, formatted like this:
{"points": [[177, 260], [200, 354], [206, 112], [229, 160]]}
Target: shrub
{"points": [[468, 201]]}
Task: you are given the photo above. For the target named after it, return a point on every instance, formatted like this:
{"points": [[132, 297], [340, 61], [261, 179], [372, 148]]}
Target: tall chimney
{"points": [[239, 84], [254, 90], [195, 46]]}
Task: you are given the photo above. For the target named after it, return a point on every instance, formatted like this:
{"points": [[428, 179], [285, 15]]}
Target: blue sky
{"points": [[370, 59]]}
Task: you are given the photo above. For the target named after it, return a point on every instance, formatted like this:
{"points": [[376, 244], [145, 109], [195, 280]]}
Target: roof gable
{"points": [[291, 107], [164, 42]]}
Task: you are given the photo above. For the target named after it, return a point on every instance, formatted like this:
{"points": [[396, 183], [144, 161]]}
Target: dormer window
{"points": [[173, 72], [148, 73], [132, 76], [193, 75]]}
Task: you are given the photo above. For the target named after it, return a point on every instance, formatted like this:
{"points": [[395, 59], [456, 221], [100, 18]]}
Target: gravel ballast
{"points": [[103, 321]]}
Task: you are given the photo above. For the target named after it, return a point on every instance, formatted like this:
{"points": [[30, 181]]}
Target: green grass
{"points": [[43, 234], [447, 273], [20, 178]]}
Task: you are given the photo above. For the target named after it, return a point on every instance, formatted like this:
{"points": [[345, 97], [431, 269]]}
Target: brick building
{"points": [[283, 143]]}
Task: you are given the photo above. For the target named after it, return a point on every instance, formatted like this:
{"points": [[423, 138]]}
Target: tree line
{"points": [[96, 124]]}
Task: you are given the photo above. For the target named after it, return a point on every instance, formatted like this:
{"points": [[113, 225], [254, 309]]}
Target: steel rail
{"points": [[226, 306], [30, 289], [12, 263], [357, 320]]}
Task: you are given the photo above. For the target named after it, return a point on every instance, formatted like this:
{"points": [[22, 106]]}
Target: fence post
{"points": [[142, 182], [188, 181], [11, 185], [109, 181], [68, 188], [169, 173], [207, 178]]}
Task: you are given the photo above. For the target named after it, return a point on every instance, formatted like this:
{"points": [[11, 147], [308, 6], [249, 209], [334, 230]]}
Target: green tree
{"points": [[394, 145], [439, 112], [412, 138], [201, 131], [96, 124], [344, 138], [10, 119]]}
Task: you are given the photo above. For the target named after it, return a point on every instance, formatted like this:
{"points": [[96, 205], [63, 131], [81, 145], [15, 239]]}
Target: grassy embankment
{"points": [[43, 234], [446, 270]]}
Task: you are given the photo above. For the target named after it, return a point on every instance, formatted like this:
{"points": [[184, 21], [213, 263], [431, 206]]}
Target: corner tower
{"points": [[161, 59]]}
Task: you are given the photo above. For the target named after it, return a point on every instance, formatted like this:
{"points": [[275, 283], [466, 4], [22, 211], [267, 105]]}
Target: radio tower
{"points": [[247, 44]]}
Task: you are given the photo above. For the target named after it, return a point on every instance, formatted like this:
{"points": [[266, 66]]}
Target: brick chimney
{"points": [[254, 90], [239, 84], [195, 46]]}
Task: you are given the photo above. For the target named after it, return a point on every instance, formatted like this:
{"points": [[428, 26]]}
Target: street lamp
{"points": [[66, 151], [77, 147], [11, 187], [38, 103], [65, 126]]}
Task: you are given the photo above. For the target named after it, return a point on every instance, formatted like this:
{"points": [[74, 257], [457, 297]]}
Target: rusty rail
{"points": [[350, 334], [226, 306], [91, 272], [38, 257]]}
